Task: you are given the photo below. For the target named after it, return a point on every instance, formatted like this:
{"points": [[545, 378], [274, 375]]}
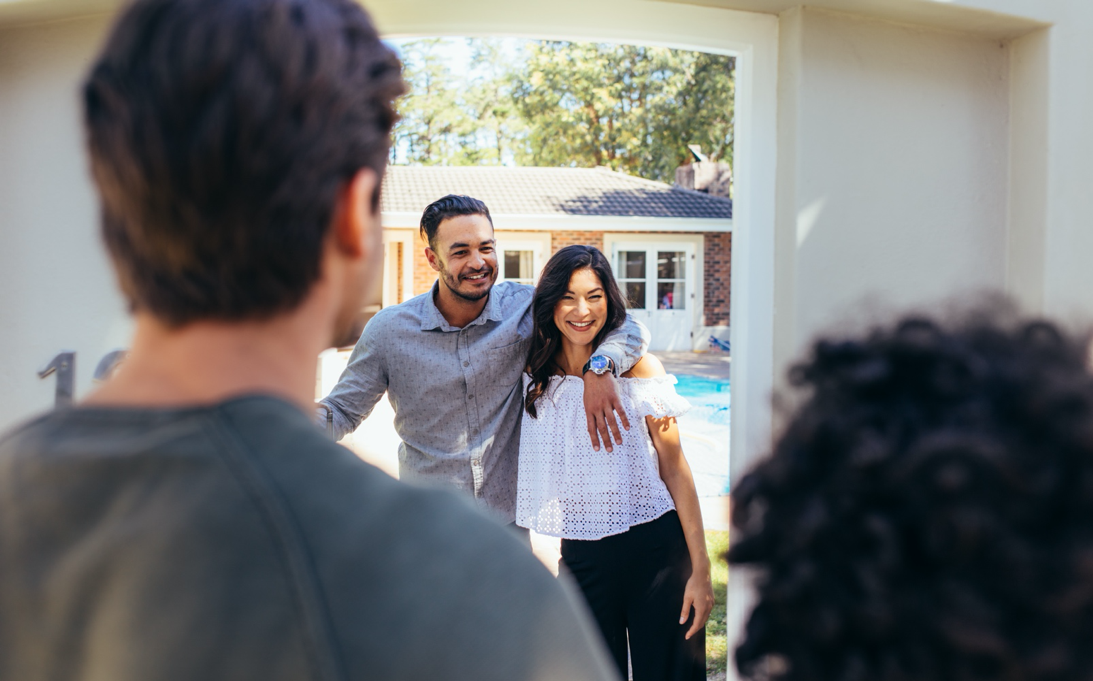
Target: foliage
{"points": [[449, 118], [717, 543], [433, 119], [630, 108]]}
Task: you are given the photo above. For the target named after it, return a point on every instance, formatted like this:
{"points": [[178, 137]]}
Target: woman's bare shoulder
{"points": [[647, 367]]}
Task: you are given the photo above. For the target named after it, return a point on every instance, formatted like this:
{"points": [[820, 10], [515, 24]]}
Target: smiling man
{"points": [[451, 359]]}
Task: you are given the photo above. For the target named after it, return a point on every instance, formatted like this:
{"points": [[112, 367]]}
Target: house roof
{"points": [[548, 192]]}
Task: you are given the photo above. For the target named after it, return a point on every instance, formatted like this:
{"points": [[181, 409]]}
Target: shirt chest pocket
{"points": [[505, 364]]}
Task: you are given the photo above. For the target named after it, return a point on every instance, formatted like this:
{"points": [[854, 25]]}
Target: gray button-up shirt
{"points": [[456, 392]]}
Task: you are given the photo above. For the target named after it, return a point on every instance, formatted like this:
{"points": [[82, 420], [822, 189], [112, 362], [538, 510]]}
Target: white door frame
{"points": [[753, 39]]}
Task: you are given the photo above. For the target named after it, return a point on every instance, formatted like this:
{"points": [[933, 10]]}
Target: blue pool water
{"points": [[705, 431], [709, 397]]}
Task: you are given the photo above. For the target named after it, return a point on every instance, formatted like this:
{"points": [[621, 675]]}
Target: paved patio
{"points": [[706, 364]]}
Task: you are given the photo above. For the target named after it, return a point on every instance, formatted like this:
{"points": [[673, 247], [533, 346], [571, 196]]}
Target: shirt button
{"points": [[470, 397], [466, 364]]}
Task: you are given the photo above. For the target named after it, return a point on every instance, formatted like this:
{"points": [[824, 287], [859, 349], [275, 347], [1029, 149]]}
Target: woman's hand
{"points": [[698, 593]]}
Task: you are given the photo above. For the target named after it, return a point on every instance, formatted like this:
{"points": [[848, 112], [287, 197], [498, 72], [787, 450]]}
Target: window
{"points": [[631, 269], [521, 255], [518, 266], [671, 280]]}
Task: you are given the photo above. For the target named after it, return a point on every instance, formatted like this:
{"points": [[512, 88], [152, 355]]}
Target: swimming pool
{"points": [[704, 431], [710, 397]]}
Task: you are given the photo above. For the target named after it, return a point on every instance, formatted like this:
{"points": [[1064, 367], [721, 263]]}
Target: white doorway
{"points": [[658, 280]]}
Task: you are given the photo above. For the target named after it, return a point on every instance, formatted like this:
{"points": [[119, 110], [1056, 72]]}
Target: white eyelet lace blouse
{"points": [[565, 488]]}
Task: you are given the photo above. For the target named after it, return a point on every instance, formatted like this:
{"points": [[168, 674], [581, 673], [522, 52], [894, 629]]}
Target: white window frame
{"points": [[536, 242]]}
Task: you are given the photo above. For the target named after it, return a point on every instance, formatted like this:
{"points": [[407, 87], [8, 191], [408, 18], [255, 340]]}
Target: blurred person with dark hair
{"points": [[630, 524], [187, 520], [450, 362], [926, 512]]}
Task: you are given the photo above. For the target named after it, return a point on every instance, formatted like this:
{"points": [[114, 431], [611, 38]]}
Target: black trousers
{"points": [[634, 584]]}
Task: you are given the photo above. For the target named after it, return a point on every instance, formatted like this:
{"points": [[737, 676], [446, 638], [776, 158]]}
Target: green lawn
{"points": [[717, 543]]}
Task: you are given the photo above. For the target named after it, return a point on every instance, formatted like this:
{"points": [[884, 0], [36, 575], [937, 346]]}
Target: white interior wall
{"points": [[57, 291], [1028, 169], [893, 184]]}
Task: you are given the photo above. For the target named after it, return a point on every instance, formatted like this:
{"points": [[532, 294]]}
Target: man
{"points": [[926, 513], [451, 360], [188, 521]]}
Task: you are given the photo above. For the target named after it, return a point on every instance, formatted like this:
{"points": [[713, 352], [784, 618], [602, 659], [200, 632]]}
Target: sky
{"points": [[455, 49]]}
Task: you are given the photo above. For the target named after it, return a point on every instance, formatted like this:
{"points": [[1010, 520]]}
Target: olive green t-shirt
{"points": [[235, 541]]}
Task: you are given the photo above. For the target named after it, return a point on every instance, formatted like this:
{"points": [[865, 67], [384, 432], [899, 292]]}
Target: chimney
{"points": [[710, 177]]}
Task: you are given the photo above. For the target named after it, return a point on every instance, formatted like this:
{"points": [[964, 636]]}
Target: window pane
{"points": [[518, 265], [670, 265], [631, 265], [635, 294], [671, 296]]}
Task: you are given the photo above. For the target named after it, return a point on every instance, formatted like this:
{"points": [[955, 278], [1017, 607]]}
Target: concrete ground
{"points": [[706, 364], [715, 365], [377, 443]]}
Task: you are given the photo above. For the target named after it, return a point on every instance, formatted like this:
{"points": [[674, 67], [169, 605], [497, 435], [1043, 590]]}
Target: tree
{"points": [[630, 108], [433, 120]]}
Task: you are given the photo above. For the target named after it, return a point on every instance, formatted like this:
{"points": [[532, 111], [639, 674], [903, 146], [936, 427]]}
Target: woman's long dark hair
{"points": [[546, 339]]}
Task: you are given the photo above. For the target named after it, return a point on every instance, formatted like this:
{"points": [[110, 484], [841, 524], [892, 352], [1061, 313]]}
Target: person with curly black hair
{"points": [[928, 511]]}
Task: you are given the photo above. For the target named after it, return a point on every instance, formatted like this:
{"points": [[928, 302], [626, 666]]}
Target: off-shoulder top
{"points": [[565, 488]]}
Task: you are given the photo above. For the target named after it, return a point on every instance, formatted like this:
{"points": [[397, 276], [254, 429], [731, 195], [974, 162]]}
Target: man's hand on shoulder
{"points": [[601, 405]]}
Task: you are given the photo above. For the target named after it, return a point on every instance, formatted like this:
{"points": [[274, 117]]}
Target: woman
{"points": [[629, 520]]}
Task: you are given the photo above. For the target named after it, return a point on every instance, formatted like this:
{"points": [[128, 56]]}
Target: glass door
{"points": [[657, 281], [630, 271]]}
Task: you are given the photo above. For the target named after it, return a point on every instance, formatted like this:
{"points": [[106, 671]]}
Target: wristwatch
{"points": [[599, 365]]}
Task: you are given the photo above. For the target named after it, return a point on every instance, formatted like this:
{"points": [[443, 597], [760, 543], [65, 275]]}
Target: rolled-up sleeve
{"points": [[360, 386], [625, 345]]}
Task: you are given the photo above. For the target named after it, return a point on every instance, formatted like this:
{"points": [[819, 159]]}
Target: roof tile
{"points": [[547, 191]]}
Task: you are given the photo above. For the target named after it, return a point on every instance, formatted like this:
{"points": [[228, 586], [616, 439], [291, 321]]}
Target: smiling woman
{"points": [[630, 524], [556, 295]]}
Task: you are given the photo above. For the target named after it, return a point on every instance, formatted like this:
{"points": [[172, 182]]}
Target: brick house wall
{"points": [[559, 239], [717, 277]]}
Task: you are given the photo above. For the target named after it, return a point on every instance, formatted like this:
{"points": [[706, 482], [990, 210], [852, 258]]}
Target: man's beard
{"points": [[453, 285]]}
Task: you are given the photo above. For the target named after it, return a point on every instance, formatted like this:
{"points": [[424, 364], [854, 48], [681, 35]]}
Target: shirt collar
{"points": [[432, 319]]}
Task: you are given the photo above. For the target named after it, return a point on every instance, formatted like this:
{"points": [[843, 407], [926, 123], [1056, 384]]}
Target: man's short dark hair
{"points": [[448, 207], [928, 511], [220, 134]]}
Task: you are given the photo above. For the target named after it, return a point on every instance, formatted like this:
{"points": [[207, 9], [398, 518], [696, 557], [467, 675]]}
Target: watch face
{"points": [[598, 363]]}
